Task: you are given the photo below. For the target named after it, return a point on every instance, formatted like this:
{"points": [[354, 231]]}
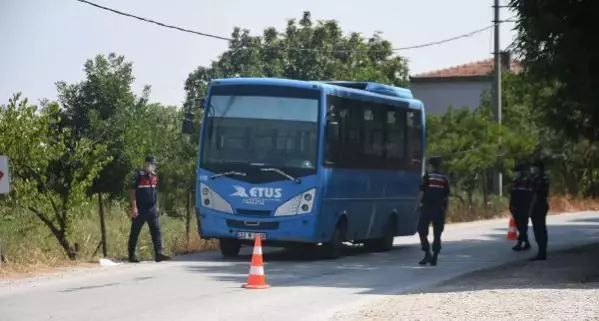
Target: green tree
{"points": [[305, 50], [556, 42], [468, 140], [52, 167], [103, 109]]}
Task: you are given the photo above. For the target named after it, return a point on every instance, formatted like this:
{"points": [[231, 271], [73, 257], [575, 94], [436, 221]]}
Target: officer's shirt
{"points": [[145, 184], [540, 187], [521, 192], [435, 188]]}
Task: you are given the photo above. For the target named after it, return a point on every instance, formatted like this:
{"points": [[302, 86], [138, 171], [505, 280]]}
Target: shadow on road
{"points": [[286, 269], [576, 268]]}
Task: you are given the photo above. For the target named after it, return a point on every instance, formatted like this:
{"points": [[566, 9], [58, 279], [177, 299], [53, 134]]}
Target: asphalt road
{"points": [[206, 287]]}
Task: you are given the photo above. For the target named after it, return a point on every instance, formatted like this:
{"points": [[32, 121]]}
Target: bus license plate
{"points": [[250, 235]]}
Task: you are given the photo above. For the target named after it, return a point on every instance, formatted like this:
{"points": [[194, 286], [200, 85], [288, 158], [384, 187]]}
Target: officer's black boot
{"points": [[434, 259], [541, 255], [162, 257], [526, 246], [517, 247], [426, 259], [133, 259]]}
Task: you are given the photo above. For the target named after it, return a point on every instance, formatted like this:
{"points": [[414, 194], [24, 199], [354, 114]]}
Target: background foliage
{"points": [[68, 155]]}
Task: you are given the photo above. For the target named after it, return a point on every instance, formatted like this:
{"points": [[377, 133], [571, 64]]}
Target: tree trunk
{"points": [[189, 211], [66, 246], [102, 225], [59, 233]]}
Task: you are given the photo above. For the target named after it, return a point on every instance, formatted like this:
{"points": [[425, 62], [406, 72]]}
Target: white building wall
{"points": [[438, 95]]}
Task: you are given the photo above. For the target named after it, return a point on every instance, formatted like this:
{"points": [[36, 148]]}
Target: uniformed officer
{"points": [[520, 199], [539, 208], [433, 200], [144, 208]]}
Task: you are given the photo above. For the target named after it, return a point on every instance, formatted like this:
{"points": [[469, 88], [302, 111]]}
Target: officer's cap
{"points": [[150, 159]]}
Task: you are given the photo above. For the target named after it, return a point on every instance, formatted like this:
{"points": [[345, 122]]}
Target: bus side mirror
{"points": [[188, 127], [202, 103]]}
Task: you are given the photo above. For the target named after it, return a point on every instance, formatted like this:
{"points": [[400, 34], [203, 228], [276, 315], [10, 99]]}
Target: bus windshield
{"points": [[261, 126]]}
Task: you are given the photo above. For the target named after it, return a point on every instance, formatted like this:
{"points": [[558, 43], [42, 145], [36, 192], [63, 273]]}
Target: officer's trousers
{"points": [[149, 216], [521, 218], [437, 218], [539, 227]]}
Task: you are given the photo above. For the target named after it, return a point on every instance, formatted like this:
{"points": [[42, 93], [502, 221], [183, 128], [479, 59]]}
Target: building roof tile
{"points": [[473, 69]]}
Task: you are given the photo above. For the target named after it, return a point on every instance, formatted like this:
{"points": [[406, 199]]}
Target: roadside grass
{"points": [[29, 248]]}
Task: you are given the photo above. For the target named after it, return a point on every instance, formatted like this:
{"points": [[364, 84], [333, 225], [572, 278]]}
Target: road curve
{"points": [[206, 287]]}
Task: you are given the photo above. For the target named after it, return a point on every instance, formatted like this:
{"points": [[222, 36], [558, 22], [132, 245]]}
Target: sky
{"points": [[44, 41]]}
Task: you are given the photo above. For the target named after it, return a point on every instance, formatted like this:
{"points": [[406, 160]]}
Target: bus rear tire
{"points": [[229, 248], [334, 248], [388, 235], [385, 242]]}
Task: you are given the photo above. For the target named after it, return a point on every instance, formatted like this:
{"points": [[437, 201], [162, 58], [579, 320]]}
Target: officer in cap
{"points": [[539, 207], [520, 200], [144, 209], [432, 203]]}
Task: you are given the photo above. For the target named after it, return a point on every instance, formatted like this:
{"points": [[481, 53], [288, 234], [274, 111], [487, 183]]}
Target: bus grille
{"points": [[243, 211], [253, 225]]}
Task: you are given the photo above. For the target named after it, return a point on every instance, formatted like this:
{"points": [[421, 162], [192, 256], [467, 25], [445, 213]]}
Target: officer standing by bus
{"points": [[539, 208], [520, 200], [144, 209], [432, 203]]}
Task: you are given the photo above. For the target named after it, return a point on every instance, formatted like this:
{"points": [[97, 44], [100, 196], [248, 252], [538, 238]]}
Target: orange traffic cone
{"points": [[256, 278], [512, 232]]}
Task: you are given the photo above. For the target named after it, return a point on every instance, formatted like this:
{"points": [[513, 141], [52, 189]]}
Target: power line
{"points": [[439, 42], [203, 34]]}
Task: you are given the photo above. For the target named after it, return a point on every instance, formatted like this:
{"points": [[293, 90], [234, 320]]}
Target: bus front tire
{"points": [[334, 248], [229, 247]]}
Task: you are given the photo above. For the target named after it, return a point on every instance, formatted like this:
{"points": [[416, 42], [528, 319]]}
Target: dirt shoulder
{"points": [[566, 287]]}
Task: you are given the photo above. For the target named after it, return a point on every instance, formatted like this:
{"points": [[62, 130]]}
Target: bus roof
{"points": [[369, 90]]}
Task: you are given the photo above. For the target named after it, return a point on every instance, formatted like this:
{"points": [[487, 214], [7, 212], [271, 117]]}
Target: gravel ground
{"points": [[566, 287]]}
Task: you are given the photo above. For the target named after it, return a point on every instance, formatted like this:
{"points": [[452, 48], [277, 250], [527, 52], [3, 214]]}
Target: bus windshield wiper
{"points": [[227, 174], [276, 170]]}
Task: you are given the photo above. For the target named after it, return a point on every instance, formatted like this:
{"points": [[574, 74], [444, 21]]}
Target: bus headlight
{"points": [[301, 204], [211, 200]]}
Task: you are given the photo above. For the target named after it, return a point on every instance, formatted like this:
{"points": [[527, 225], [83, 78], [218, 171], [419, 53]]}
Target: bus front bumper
{"points": [[297, 228]]}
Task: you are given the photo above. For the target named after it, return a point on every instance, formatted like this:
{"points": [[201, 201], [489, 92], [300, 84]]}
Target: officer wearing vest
{"points": [[144, 209], [520, 200], [433, 199], [539, 208]]}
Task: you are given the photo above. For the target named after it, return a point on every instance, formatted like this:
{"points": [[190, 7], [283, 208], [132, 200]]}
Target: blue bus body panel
{"points": [[299, 228], [375, 88], [366, 196], [265, 81]]}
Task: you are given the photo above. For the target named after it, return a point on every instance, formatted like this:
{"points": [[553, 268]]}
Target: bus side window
{"points": [[342, 155], [331, 155], [373, 124], [396, 138], [415, 141]]}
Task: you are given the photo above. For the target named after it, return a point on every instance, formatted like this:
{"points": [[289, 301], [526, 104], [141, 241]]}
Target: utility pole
{"points": [[497, 88]]}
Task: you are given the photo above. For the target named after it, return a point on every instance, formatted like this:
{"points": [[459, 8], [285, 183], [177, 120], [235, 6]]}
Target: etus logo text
{"points": [[268, 193]]}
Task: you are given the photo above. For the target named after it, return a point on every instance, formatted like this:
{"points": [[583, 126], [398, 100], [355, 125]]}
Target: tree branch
{"points": [[46, 221], [40, 181]]}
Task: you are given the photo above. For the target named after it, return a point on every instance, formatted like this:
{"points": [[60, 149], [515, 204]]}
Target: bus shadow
{"points": [[276, 255], [391, 272]]}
